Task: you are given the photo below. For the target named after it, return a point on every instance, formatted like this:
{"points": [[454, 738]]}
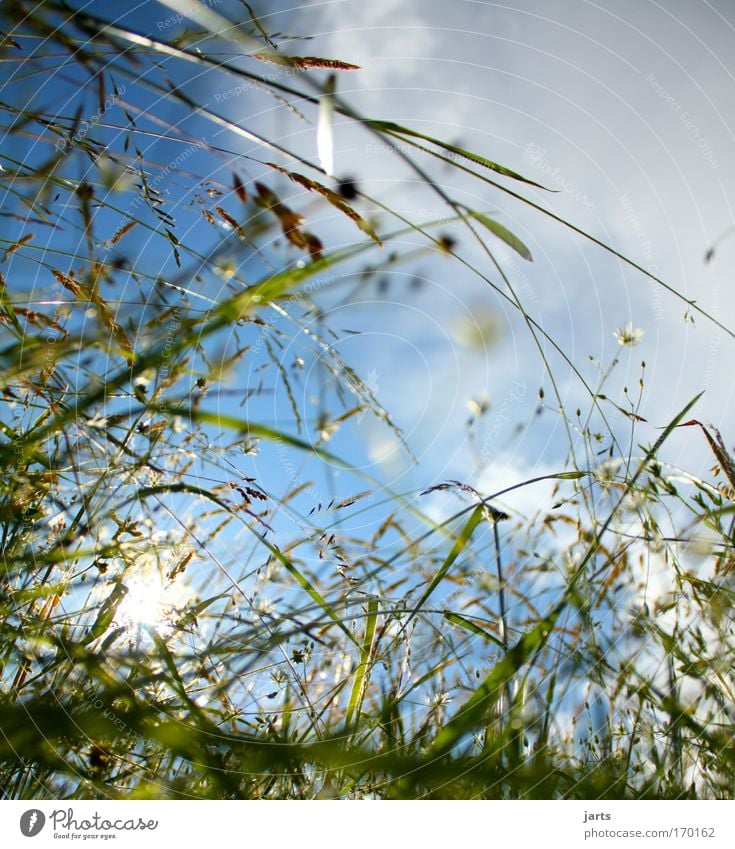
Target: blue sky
{"points": [[623, 109]]}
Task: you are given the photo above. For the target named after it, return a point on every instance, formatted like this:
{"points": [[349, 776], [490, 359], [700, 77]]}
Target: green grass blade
{"points": [[472, 627], [459, 545], [397, 130], [106, 613], [362, 673], [504, 234], [472, 712]]}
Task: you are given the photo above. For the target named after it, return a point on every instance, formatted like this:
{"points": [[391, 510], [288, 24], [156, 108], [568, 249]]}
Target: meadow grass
{"points": [[191, 607]]}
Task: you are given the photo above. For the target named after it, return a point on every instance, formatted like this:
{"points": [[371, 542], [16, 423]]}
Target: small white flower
{"points": [[606, 471], [273, 571], [98, 422], [628, 335], [57, 522], [226, 269], [114, 177], [440, 700], [636, 500], [264, 606], [145, 377], [479, 406], [328, 431]]}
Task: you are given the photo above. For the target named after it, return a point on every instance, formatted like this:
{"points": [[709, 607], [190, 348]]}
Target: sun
{"points": [[151, 600], [144, 603]]}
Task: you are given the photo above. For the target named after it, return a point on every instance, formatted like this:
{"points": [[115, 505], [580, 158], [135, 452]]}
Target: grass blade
{"points": [[458, 547], [362, 673], [504, 234], [472, 627]]}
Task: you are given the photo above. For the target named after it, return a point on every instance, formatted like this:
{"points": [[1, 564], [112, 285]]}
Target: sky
{"points": [[625, 110]]}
